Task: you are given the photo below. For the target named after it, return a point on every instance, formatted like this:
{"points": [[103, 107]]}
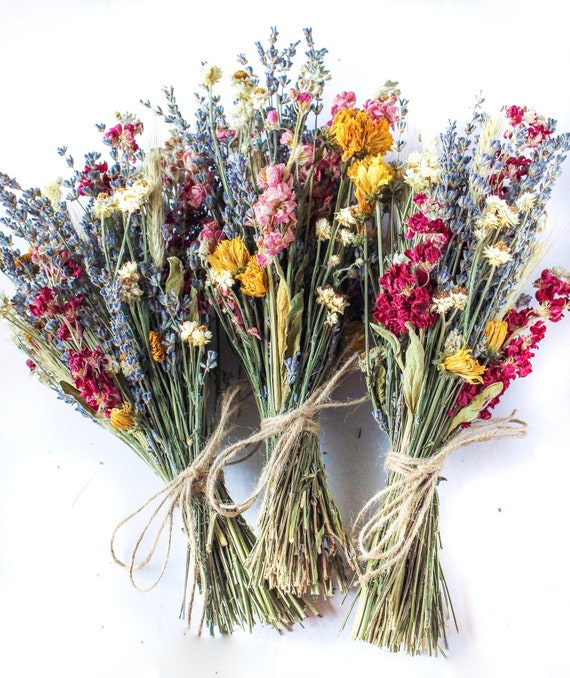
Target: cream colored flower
{"points": [[497, 254], [212, 75], [193, 333], [459, 296], [423, 170], [323, 229], [441, 302], [128, 278], [346, 216], [496, 214], [103, 206], [525, 202]]}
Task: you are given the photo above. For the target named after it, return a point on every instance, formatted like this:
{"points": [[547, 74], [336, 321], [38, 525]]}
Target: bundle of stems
{"points": [[111, 314], [280, 269], [453, 239]]}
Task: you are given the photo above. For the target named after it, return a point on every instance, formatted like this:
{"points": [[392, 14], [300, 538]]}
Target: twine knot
{"points": [[401, 508], [287, 429]]}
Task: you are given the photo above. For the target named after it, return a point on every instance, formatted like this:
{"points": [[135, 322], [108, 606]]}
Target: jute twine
{"points": [[287, 429], [178, 493], [401, 508]]}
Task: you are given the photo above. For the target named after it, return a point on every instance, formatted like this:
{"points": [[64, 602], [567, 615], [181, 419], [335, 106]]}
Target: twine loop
{"points": [[178, 493]]}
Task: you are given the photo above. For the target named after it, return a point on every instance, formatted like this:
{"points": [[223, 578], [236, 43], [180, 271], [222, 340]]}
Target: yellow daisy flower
{"points": [[230, 255], [369, 175], [463, 365]]}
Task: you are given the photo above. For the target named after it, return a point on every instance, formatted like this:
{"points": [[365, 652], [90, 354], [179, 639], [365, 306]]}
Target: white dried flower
{"points": [[211, 75], [441, 302], [497, 254], [103, 206], [453, 343], [346, 216], [323, 229], [423, 170], [525, 202], [52, 191], [459, 297], [195, 334], [5, 305]]}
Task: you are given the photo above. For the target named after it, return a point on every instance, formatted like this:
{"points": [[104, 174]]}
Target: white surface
{"points": [[66, 609]]}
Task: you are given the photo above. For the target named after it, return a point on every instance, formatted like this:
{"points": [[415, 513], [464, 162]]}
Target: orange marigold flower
{"points": [[157, 350], [122, 417], [357, 134], [463, 365], [253, 279]]}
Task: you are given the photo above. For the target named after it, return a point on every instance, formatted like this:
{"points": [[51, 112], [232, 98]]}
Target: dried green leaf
{"points": [[175, 280], [295, 325], [392, 341], [479, 402], [414, 370], [70, 390]]}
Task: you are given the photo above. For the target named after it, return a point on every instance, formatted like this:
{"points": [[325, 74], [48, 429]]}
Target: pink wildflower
{"points": [[88, 372], [382, 110], [343, 100]]}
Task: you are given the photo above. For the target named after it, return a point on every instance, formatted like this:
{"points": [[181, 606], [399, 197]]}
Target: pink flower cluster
{"points": [[45, 304], [90, 377], [275, 214], [377, 109], [513, 170], [193, 194], [526, 329], [404, 298], [521, 117], [210, 236], [405, 295], [123, 137]]}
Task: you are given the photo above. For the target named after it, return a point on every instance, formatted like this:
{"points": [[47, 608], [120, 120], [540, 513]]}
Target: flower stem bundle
{"points": [[452, 242], [112, 316]]}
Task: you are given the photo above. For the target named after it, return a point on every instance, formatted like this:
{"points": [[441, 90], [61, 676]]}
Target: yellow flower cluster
{"points": [[232, 258]]}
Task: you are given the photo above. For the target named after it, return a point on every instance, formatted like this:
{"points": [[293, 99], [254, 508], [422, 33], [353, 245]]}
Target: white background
{"points": [[66, 609]]}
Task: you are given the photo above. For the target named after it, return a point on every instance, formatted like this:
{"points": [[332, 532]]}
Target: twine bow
{"points": [[402, 507], [178, 493], [287, 429]]}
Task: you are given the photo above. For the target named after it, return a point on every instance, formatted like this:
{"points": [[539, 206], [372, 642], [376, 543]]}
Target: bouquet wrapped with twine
{"points": [[451, 244], [111, 313], [279, 258]]}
